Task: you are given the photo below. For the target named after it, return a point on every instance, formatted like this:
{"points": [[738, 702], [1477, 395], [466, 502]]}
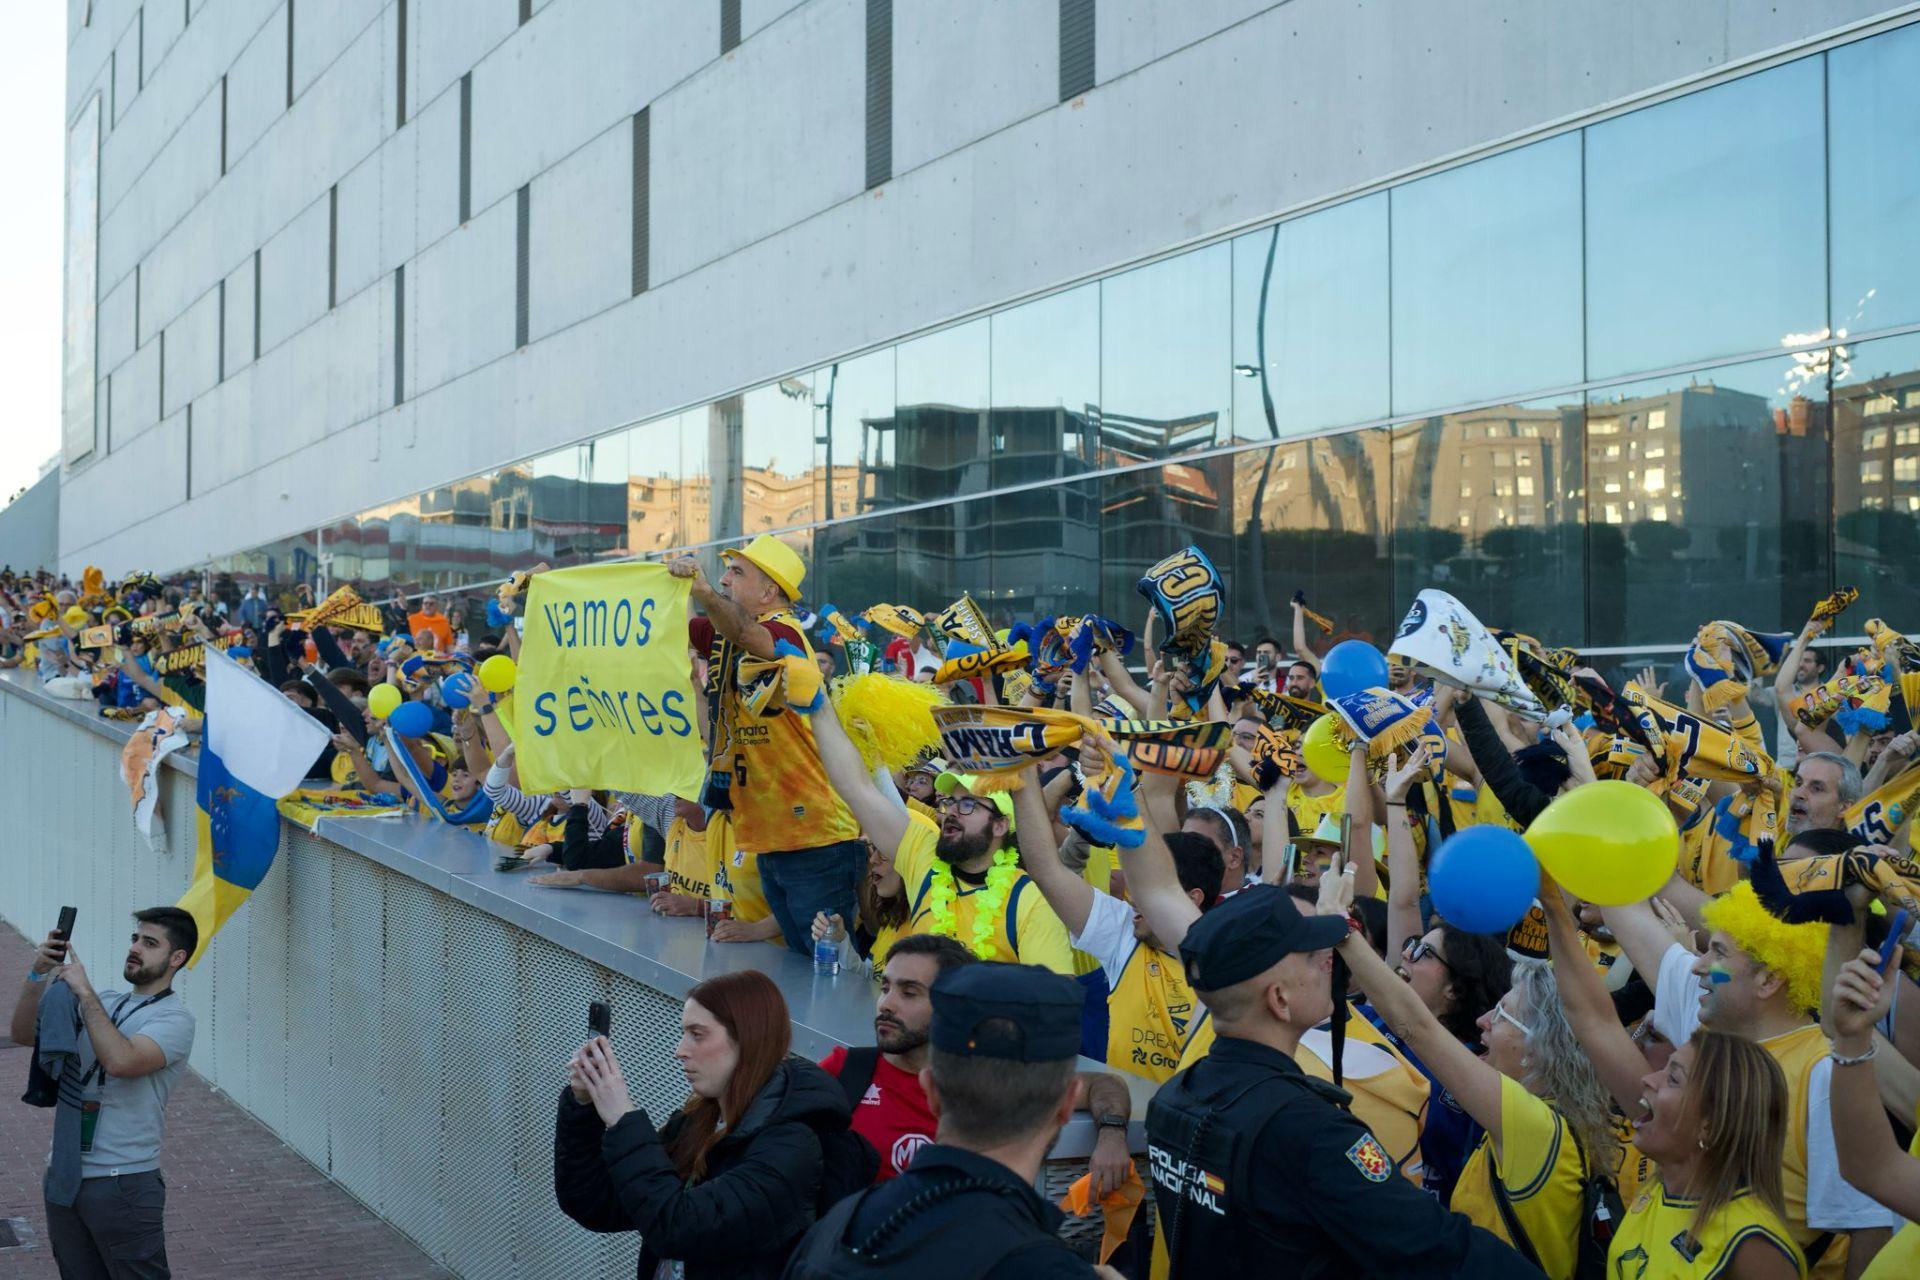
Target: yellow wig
{"points": [[1794, 951], [889, 719]]}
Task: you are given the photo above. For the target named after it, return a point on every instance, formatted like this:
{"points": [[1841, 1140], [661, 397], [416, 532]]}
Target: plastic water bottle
{"points": [[826, 956]]}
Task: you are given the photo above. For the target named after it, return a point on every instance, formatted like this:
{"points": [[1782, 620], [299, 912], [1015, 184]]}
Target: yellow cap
{"points": [[775, 559]]}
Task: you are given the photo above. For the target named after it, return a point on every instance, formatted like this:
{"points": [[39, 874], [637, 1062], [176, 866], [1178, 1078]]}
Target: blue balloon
{"points": [[1351, 666], [1483, 879], [456, 690], [412, 719]]}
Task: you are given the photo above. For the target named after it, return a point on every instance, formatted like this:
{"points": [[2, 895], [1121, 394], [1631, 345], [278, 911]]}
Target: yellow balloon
{"points": [[498, 673], [1612, 843], [1322, 754], [382, 699]]}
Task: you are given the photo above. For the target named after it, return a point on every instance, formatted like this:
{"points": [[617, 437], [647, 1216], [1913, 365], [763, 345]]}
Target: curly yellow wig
{"points": [[889, 719], [1794, 951]]}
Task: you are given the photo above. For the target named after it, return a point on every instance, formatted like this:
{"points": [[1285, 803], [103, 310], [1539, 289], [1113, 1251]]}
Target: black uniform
{"points": [[1260, 1170], [954, 1213]]}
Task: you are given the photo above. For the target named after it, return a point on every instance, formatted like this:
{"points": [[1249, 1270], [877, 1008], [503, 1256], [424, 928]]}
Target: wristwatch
{"points": [[1110, 1120]]}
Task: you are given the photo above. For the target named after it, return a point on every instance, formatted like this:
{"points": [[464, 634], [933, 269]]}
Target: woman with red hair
{"points": [[727, 1186]]}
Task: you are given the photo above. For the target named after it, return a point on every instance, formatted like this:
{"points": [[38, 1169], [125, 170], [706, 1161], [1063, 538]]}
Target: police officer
{"points": [[1000, 1077], [1258, 1167]]}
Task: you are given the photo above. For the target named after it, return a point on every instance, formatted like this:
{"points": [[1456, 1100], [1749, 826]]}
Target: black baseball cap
{"points": [[1249, 933], [1019, 1012]]}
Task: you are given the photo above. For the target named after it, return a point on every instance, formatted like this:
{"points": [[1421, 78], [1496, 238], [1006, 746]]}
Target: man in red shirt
{"points": [[883, 1083], [890, 1108]]}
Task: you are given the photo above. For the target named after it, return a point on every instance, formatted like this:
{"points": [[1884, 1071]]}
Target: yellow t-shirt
{"points": [[1653, 1244], [1037, 936], [1541, 1168], [780, 794], [1149, 1013], [689, 866]]}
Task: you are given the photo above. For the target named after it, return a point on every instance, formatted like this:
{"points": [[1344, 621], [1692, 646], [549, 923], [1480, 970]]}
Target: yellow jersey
{"points": [[1797, 1052], [1654, 1242], [1541, 1167], [1308, 810], [689, 866], [1035, 934], [780, 795]]}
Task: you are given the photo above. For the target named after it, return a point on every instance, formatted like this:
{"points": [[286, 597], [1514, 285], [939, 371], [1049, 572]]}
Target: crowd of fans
{"points": [[1716, 1080]]}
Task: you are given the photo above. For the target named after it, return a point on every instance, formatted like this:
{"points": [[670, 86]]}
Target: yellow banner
{"points": [[605, 697]]}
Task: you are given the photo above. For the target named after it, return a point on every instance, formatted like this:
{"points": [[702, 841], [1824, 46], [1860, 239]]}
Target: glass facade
{"points": [[1661, 368]]}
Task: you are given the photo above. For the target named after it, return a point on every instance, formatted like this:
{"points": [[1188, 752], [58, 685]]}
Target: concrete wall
{"points": [[30, 525], [767, 252]]}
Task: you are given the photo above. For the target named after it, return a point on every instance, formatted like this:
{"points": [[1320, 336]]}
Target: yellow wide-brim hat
{"points": [[775, 559]]}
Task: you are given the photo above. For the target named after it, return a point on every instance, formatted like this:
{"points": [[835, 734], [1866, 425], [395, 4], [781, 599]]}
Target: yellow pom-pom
{"points": [[889, 719]]}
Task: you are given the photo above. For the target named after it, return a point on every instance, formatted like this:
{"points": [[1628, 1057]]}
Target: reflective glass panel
{"points": [[1873, 119], [1706, 498], [760, 459], [1486, 278], [857, 566], [1706, 224], [1046, 388], [940, 423], [1876, 480], [1487, 507], [1148, 514], [1166, 357], [1311, 516], [603, 516], [1316, 355], [854, 437], [657, 488]]}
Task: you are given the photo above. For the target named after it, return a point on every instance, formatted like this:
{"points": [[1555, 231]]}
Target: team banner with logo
{"points": [[605, 697], [1441, 636]]}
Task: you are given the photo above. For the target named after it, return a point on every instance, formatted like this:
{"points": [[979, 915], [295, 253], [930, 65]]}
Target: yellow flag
{"points": [[605, 695]]}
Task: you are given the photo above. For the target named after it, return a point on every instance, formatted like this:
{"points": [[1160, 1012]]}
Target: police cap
{"points": [[1249, 933], [1019, 1012]]}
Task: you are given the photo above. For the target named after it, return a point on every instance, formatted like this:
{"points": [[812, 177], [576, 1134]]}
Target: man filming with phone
{"points": [[112, 1057]]}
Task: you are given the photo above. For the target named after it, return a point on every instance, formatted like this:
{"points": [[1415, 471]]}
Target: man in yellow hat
{"points": [[763, 763]]}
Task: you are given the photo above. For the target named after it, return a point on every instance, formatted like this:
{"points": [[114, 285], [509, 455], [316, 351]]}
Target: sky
{"points": [[33, 77]]}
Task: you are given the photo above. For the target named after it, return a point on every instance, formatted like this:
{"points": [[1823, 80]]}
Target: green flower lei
{"points": [[989, 903]]}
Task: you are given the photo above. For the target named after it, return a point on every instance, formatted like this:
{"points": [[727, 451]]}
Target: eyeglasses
{"points": [[1500, 1011], [1414, 950], [965, 806]]}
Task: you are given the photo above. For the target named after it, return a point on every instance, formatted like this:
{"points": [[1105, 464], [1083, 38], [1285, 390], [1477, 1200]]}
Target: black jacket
{"points": [[741, 1219]]}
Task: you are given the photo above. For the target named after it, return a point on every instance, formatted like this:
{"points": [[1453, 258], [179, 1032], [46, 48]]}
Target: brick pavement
{"points": [[239, 1201]]}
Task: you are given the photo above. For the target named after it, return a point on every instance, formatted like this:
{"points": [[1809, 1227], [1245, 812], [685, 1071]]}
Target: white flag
{"points": [[263, 739], [1442, 638]]}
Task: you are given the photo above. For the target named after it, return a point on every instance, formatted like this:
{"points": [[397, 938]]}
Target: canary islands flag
{"points": [[258, 747]]}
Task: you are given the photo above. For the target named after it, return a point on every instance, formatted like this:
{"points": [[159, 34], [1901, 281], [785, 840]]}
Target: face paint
{"points": [[1717, 975]]}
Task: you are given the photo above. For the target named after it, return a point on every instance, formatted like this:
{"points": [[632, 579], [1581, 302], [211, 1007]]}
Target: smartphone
{"points": [[1263, 662], [65, 927], [600, 1018], [1895, 935]]}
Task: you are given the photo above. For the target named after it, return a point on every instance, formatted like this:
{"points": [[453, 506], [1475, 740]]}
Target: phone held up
{"points": [[600, 1018]]}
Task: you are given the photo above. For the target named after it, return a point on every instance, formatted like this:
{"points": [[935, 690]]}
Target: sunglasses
{"points": [[1414, 950]]}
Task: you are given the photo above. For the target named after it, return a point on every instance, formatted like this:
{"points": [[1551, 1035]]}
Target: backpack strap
{"points": [[856, 1073], [1515, 1232], [1012, 921]]}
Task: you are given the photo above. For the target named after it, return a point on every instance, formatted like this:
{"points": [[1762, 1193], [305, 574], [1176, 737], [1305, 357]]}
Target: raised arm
{"points": [[1276, 834], [1359, 804], [1473, 1083], [1300, 647], [729, 619], [1403, 863], [1870, 1156], [1589, 1009], [1123, 683], [883, 821], [1790, 666], [1152, 882], [1070, 896]]}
